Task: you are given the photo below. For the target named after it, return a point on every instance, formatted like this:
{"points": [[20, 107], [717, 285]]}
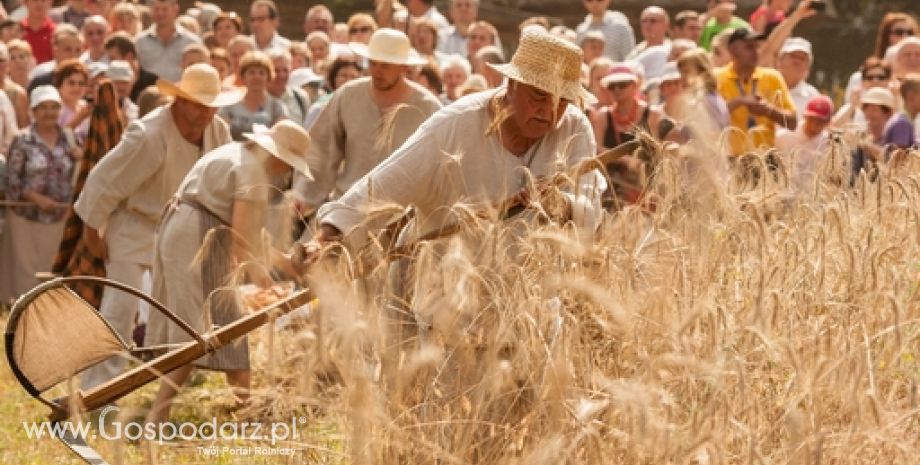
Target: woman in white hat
{"points": [[39, 171], [257, 106], [889, 129], [211, 230]]}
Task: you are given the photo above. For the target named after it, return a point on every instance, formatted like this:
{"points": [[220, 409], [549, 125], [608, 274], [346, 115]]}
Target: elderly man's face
{"points": [[67, 48], [318, 22], [282, 72], [464, 11], [654, 24], [909, 58], [94, 33], [535, 112], [261, 22], [795, 67]]}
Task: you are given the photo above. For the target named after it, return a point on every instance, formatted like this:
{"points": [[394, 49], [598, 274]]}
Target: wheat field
{"points": [[722, 323]]}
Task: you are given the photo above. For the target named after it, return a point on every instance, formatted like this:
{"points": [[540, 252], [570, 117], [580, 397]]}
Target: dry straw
{"points": [[733, 323]]}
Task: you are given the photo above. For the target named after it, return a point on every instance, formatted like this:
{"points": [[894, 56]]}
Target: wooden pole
{"points": [[119, 387]]}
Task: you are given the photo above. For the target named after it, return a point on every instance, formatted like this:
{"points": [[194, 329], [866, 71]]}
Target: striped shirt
{"points": [[615, 27], [452, 41]]}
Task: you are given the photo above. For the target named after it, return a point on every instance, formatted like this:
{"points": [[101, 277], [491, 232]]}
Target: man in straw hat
{"points": [[365, 121], [127, 190], [224, 198], [481, 150]]}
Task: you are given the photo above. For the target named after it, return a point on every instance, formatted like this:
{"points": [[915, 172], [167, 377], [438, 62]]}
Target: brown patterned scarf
{"points": [[73, 257]]}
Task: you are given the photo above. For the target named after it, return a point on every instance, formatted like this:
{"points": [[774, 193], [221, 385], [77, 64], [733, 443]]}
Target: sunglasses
{"points": [[360, 30], [619, 85], [876, 77], [902, 32], [650, 20]]}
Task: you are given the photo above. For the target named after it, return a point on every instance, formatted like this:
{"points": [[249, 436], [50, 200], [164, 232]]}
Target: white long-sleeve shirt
{"points": [[127, 190], [451, 160], [349, 138]]}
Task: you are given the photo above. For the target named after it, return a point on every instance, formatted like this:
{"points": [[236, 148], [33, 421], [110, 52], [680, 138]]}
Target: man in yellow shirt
{"points": [[757, 98]]}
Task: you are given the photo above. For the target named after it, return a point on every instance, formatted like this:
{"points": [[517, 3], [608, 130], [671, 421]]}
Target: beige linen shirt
{"points": [[129, 187], [451, 160], [349, 139]]}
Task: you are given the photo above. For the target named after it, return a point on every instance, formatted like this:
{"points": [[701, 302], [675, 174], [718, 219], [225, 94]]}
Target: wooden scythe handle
{"points": [[128, 382]]}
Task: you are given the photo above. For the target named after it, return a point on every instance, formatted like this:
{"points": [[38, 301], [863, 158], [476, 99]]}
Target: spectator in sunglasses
{"points": [[873, 73], [360, 28], [895, 27]]}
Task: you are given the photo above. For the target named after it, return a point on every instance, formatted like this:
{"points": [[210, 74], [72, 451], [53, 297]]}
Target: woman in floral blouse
{"points": [[39, 170]]}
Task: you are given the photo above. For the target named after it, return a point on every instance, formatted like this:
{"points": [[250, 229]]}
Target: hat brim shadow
{"points": [[222, 99], [362, 50], [266, 142]]}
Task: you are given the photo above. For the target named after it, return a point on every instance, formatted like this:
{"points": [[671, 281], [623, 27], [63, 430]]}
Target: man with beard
{"points": [[365, 121], [127, 190]]}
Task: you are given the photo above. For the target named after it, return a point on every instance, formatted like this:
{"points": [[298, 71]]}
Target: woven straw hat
{"points": [[200, 83], [550, 64], [285, 140], [389, 46]]}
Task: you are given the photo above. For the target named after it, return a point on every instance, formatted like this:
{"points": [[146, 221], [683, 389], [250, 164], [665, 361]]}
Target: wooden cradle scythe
{"points": [[52, 334]]}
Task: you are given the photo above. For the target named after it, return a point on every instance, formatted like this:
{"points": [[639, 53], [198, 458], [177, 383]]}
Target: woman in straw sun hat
{"points": [[129, 187], [216, 217]]}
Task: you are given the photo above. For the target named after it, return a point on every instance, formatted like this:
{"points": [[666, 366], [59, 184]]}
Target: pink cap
{"points": [[619, 73], [820, 107]]}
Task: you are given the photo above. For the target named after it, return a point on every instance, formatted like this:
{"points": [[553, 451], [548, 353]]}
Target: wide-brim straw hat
{"points": [[389, 46], [285, 140], [200, 83], [550, 64]]}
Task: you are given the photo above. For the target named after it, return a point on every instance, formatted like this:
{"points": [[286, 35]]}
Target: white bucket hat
{"points": [[878, 96], [550, 64], [389, 46], [285, 140], [43, 94], [200, 83]]}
